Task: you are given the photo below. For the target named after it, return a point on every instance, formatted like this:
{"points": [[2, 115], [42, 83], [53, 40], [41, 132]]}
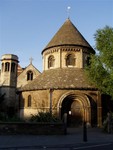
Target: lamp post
{"points": [[85, 127]]}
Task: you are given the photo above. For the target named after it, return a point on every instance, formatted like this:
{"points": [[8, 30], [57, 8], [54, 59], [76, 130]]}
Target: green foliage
{"points": [[105, 123], [100, 71], [44, 117], [5, 118], [104, 45]]}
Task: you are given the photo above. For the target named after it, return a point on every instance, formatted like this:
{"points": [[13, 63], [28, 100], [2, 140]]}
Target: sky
{"points": [[27, 26]]}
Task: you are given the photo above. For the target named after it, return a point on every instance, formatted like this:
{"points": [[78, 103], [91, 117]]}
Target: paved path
{"points": [[74, 137]]}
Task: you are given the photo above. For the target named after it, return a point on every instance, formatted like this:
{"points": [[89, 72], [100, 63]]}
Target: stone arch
{"points": [[29, 101], [76, 105], [70, 59], [51, 61], [2, 67], [29, 75], [93, 111], [7, 67]]}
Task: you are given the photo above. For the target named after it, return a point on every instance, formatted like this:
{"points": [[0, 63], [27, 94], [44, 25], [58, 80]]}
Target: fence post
{"points": [[65, 123], [84, 132]]}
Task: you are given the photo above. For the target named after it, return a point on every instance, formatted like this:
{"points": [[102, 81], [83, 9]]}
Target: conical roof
{"points": [[69, 35]]}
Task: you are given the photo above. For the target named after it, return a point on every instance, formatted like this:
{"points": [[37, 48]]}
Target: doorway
{"points": [[74, 109]]}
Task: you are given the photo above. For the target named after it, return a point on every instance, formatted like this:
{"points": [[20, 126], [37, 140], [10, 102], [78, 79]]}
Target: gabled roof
{"points": [[22, 78], [66, 78], [69, 35], [29, 67]]}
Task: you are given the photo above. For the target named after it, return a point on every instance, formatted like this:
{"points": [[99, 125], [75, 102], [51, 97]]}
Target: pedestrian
{"points": [[109, 121]]}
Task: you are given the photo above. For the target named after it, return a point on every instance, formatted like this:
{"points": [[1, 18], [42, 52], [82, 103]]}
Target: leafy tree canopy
{"points": [[100, 71]]}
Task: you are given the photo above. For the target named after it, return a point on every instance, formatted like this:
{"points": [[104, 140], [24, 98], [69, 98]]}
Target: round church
{"points": [[63, 87]]}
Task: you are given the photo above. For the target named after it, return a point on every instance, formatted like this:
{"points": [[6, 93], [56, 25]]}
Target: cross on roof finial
{"points": [[31, 59], [68, 11]]}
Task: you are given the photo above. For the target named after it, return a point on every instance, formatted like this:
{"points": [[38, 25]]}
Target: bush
{"points": [[105, 123], [5, 118], [44, 117]]}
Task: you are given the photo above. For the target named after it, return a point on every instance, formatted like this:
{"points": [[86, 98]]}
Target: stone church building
{"points": [[61, 88]]}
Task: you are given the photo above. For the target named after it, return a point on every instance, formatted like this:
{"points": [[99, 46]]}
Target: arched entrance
{"points": [[77, 107], [76, 113]]}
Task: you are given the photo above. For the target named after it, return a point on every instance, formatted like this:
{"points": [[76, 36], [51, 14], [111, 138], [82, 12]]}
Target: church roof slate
{"points": [[65, 78], [68, 34]]}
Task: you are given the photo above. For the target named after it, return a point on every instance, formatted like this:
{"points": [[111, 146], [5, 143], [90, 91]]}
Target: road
{"points": [[86, 146], [107, 146], [96, 140]]}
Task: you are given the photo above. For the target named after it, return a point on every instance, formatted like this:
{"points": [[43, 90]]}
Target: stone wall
{"points": [[31, 128], [22, 78], [41, 102], [60, 57]]}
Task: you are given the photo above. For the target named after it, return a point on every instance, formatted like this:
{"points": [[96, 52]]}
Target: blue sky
{"points": [[26, 26]]}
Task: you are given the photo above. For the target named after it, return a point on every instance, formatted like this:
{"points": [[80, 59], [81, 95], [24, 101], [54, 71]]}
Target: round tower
{"points": [[9, 64], [68, 48]]}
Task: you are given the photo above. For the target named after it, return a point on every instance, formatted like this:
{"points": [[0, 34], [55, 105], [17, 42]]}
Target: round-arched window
{"points": [[51, 61], [29, 101], [70, 60], [29, 75]]}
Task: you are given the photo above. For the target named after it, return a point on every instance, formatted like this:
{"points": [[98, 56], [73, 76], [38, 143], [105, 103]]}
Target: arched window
{"points": [[7, 66], [2, 67], [70, 60], [29, 75], [13, 67], [29, 101], [51, 61]]}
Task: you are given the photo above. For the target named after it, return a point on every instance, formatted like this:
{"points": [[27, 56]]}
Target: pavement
{"points": [[74, 137]]}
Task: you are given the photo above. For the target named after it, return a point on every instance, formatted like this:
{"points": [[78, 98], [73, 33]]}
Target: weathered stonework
{"points": [[41, 102], [62, 87], [9, 80], [22, 78]]}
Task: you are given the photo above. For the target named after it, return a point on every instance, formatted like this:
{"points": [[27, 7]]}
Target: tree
{"points": [[100, 70]]}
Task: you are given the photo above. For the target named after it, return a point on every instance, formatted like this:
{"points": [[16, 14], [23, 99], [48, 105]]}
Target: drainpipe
{"points": [[51, 92], [99, 109]]}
